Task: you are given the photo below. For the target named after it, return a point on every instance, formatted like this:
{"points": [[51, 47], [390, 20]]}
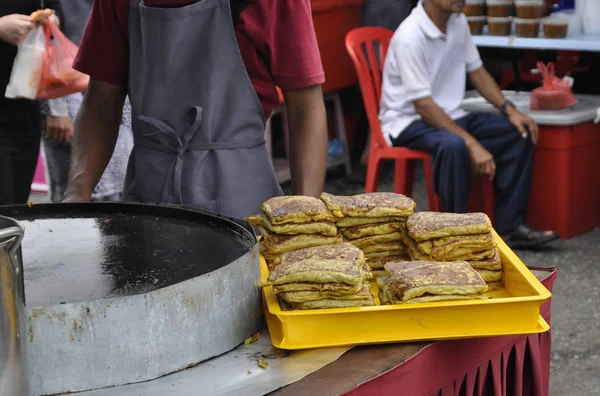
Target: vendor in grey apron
{"points": [[198, 123]]}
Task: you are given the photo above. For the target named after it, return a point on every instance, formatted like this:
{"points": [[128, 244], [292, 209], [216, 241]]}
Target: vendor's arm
{"points": [[104, 56], [308, 139], [96, 133], [295, 63]]}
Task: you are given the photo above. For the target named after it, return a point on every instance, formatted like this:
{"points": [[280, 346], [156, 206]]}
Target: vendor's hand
{"points": [[15, 28], [524, 123], [481, 159], [59, 130]]}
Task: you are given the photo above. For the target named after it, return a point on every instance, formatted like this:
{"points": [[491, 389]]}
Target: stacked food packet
{"points": [[291, 223], [322, 277], [446, 237], [374, 223], [427, 281]]}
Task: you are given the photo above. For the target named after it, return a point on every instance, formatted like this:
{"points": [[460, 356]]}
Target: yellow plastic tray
{"points": [[514, 309]]}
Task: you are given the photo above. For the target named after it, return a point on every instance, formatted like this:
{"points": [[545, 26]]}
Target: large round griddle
{"points": [[120, 293]]}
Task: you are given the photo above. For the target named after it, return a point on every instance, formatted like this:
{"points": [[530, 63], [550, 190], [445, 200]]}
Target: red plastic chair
{"points": [[370, 78]]}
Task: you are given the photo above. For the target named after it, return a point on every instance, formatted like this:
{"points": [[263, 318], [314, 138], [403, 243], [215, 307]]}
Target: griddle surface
{"points": [[83, 256]]}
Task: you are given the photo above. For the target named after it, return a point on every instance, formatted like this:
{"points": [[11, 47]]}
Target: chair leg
{"points": [[404, 177], [489, 200], [373, 168], [340, 128], [432, 198]]}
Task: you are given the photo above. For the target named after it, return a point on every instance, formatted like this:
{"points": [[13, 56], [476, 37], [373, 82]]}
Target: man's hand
{"points": [[523, 123], [482, 160], [15, 28], [59, 130]]}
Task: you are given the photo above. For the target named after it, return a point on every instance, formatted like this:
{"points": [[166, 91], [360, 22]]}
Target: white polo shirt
{"points": [[421, 62]]}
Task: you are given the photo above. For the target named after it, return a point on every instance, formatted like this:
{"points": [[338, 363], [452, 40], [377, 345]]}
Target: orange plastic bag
{"points": [[555, 94], [58, 76]]}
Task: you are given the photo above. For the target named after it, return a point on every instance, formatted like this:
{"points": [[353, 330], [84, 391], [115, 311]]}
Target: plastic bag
{"points": [[27, 68], [58, 76], [555, 94]]}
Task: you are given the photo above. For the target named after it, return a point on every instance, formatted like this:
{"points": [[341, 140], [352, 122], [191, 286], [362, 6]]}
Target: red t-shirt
{"points": [[276, 39]]}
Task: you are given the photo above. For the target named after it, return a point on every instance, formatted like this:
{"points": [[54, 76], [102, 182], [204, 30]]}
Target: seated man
{"points": [[423, 86]]}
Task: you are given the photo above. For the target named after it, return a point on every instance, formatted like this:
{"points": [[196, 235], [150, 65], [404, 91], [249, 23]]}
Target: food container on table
{"points": [[527, 27], [555, 27], [476, 24], [499, 8], [529, 9], [513, 309], [499, 26], [474, 8], [574, 20]]}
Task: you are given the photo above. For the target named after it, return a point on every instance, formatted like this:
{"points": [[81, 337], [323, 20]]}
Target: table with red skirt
{"points": [[509, 365]]}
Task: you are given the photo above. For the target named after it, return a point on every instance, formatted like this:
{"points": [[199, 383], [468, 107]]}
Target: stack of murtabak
{"points": [[447, 237], [291, 223], [331, 276], [426, 281], [375, 223]]}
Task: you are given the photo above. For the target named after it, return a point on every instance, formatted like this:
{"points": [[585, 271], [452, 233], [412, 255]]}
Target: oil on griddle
{"points": [[84, 257]]}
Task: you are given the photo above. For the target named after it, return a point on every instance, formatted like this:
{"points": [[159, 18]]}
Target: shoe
{"points": [[358, 175], [525, 237]]}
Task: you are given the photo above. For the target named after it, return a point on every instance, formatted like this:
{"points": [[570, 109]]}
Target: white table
{"points": [[575, 43]]}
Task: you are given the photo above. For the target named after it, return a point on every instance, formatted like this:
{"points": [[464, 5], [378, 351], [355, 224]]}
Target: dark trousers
{"points": [[452, 164], [19, 152]]}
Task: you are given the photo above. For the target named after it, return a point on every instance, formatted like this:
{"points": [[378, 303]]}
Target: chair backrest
{"points": [[368, 47]]}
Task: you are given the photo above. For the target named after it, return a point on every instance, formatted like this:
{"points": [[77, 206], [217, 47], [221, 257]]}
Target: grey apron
{"points": [[198, 124]]}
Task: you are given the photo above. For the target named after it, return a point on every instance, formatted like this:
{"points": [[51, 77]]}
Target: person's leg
{"points": [[24, 162], [451, 162], [57, 165], [7, 196], [514, 160]]}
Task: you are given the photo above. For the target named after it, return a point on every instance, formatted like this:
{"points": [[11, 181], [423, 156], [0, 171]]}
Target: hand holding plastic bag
{"points": [[27, 68], [555, 94], [58, 77]]}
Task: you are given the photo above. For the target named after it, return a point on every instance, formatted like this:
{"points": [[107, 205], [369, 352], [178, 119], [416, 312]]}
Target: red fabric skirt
{"points": [[494, 366]]}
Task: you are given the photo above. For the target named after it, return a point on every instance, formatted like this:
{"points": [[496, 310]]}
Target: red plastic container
{"points": [[565, 190], [333, 19]]}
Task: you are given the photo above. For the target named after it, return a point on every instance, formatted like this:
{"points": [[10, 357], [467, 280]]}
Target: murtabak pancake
{"points": [[279, 244], [494, 263], [340, 252], [372, 240], [304, 296], [439, 249], [467, 254], [378, 262], [341, 263], [385, 247], [388, 253], [332, 303], [409, 280], [413, 250], [366, 230], [348, 222], [315, 227], [387, 297], [296, 209], [489, 276], [369, 205], [333, 289], [379, 273], [424, 226]]}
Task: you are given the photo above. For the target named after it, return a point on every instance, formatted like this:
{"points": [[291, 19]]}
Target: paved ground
{"points": [[576, 301], [575, 304]]}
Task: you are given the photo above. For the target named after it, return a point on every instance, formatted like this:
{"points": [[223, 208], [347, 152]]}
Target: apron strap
{"points": [[183, 144]]}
